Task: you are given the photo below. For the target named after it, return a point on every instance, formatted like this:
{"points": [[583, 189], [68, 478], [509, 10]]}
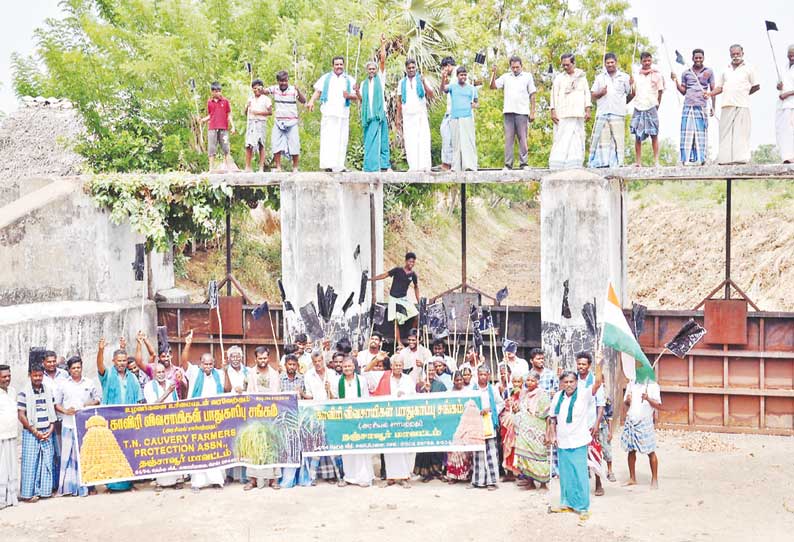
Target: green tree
{"points": [[765, 154]]}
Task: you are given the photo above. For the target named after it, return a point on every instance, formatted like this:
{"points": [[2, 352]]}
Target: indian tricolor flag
{"points": [[618, 336]]}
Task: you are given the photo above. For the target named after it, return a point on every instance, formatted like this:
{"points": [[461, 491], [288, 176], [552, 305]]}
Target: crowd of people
{"points": [[571, 102], [544, 423]]}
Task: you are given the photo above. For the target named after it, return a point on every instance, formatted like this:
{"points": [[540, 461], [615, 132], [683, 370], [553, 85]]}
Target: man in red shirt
{"points": [[219, 116]]}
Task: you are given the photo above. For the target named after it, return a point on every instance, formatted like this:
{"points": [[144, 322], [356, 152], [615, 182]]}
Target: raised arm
{"points": [[492, 86], [428, 91], [382, 53], [380, 277], [185, 357], [100, 357]]}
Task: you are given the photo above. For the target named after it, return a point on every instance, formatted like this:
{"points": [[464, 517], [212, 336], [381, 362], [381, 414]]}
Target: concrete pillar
{"points": [[583, 241], [322, 221]]}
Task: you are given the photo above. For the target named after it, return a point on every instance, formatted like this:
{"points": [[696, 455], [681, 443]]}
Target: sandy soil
{"points": [[744, 492]]}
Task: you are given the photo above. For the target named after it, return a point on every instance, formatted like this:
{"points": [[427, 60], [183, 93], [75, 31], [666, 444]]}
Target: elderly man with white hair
{"points": [[374, 121], [784, 122], [236, 379]]}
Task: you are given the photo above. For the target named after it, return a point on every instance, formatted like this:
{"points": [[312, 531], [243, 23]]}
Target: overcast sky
{"points": [[709, 24]]}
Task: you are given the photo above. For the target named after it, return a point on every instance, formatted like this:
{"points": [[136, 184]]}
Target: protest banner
{"points": [[448, 422], [132, 442]]}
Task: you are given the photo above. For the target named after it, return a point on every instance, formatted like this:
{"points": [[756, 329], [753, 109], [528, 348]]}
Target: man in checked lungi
{"points": [[648, 88], [638, 432], [611, 92], [695, 81]]}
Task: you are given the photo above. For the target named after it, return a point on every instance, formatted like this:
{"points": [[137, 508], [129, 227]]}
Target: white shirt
{"points": [[413, 103], [258, 104], [71, 394], [570, 94], [238, 378], [152, 392], [641, 410], [518, 367], [577, 433], [315, 384], [787, 76], [209, 388], [410, 357], [736, 84], [647, 89], [335, 104], [600, 399], [518, 89], [618, 88], [364, 358], [9, 420], [371, 90]]}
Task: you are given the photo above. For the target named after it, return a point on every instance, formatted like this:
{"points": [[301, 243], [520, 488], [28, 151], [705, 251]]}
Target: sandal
{"points": [[341, 483], [611, 477], [248, 487], [405, 483], [599, 492], [492, 488]]}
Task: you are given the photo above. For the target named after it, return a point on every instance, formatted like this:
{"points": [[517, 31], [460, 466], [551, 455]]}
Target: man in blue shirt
{"points": [[464, 99]]}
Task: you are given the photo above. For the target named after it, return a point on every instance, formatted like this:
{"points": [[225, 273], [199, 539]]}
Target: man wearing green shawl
{"points": [[358, 467], [569, 429], [119, 387], [374, 123]]}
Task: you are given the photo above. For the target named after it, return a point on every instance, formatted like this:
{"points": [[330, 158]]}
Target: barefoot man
{"points": [[638, 432]]}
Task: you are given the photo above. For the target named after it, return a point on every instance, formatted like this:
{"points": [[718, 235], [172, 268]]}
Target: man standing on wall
{"points": [[335, 90], [518, 110]]}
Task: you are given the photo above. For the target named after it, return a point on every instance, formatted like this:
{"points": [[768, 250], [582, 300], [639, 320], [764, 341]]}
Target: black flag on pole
{"points": [[212, 294], [348, 303], [638, 319], [138, 265], [686, 338], [501, 295], [261, 311], [609, 29], [566, 309], [362, 292], [771, 25], [679, 58]]}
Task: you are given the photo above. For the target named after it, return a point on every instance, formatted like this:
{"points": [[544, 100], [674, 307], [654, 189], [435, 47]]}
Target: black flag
{"points": [[501, 295], [281, 290], [212, 294], [609, 29], [309, 316], [362, 292], [638, 319], [566, 309], [138, 265], [422, 312], [686, 338], [162, 339], [261, 311], [348, 302], [679, 58], [589, 315], [770, 25]]}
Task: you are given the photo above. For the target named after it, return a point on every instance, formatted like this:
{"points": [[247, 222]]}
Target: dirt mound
{"points": [[36, 140]]}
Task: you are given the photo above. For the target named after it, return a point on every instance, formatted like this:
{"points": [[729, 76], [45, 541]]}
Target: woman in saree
{"points": [[530, 414], [458, 463]]}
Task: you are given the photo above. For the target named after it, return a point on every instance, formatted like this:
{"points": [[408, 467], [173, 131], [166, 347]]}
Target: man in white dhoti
{"points": [[570, 109], [412, 115], [9, 436], [335, 90], [205, 381], [393, 383], [784, 122], [464, 99], [357, 467], [736, 84]]}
